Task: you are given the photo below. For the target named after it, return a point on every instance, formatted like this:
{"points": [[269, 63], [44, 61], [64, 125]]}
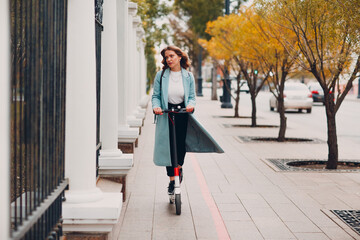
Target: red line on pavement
{"points": [[218, 220]]}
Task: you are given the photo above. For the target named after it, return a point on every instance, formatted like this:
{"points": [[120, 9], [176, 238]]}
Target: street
{"points": [[312, 125], [237, 195]]}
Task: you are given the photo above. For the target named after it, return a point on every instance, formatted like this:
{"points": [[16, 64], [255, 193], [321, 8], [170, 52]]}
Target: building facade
{"points": [[73, 103]]}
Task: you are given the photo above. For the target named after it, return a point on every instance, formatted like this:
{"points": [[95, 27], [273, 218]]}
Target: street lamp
{"points": [[226, 99], [199, 90], [227, 7]]}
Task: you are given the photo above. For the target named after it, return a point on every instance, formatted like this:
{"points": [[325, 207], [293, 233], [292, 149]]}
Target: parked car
{"points": [[244, 87], [316, 91], [296, 96]]}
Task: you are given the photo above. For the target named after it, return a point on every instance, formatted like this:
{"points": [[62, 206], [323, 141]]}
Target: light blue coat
{"points": [[197, 138]]}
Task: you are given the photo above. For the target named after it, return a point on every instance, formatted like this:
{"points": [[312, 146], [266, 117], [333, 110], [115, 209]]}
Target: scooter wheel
{"points": [[178, 204]]}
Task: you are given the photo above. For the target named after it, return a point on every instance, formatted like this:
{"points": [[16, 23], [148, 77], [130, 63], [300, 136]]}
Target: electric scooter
{"points": [[176, 197]]}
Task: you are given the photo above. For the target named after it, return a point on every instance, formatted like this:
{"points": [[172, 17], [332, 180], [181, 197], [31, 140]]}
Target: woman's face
{"points": [[172, 59]]}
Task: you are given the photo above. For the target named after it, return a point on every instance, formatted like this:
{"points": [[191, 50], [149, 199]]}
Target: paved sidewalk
{"points": [[352, 97], [236, 195]]}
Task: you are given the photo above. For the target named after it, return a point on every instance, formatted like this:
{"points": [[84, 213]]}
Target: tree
{"points": [[273, 59], [222, 51], [328, 39], [197, 14], [150, 11], [247, 46], [234, 35], [185, 39]]}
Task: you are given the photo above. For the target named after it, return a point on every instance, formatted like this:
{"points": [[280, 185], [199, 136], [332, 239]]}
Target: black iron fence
{"points": [[38, 38], [98, 30]]}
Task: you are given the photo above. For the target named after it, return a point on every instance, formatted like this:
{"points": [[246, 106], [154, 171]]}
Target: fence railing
{"points": [[98, 30], [38, 38]]}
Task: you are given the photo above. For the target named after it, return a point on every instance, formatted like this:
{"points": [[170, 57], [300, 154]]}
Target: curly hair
{"points": [[184, 62]]}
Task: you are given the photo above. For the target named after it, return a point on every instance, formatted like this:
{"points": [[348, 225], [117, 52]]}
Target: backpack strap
{"points": [[162, 74]]}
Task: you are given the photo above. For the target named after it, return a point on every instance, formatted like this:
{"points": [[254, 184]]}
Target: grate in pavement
{"points": [[290, 165], [248, 126], [350, 217], [247, 139], [217, 116]]}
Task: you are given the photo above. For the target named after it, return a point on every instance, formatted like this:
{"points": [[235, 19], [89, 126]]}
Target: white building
{"points": [[69, 100]]}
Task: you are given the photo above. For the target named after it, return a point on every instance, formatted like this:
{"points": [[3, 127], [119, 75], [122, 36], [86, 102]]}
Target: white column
{"points": [[131, 106], [111, 158], [130, 56], [125, 133], [80, 132], [85, 204], [138, 111], [5, 120], [144, 98], [139, 40], [109, 101]]}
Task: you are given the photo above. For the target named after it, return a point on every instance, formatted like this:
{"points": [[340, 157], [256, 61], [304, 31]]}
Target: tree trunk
{"points": [[237, 98], [196, 76], [332, 136], [214, 82], [281, 110], [253, 112], [236, 114]]}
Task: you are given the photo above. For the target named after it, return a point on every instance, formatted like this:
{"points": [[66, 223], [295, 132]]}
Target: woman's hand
{"points": [[189, 108], [158, 111]]}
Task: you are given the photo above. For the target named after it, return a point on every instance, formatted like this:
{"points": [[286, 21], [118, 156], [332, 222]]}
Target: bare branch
{"points": [[348, 85]]}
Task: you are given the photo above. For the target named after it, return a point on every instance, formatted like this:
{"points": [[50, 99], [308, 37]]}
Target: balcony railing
{"points": [[38, 38]]}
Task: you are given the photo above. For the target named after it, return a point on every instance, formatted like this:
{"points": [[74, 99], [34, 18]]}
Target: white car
{"points": [[316, 91], [296, 96], [244, 87]]}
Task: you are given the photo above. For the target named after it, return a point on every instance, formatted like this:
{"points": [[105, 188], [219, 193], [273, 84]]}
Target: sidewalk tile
{"points": [[311, 236], [254, 201], [243, 230], [336, 233]]}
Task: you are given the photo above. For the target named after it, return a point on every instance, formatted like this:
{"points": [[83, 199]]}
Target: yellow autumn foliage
{"points": [[327, 33]]}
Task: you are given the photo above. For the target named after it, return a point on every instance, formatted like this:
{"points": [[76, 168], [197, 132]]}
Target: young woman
{"points": [[175, 86]]}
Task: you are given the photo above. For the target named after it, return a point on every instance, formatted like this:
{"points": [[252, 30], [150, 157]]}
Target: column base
{"points": [[127, 134], [92, 217], [128, 138], [132, 121], [140, 115], [110, 154], [84, 196], [142, 110], [115, 165]]}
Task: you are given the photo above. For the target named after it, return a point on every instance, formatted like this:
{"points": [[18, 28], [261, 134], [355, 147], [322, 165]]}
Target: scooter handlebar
{"points": [[176, 110]]}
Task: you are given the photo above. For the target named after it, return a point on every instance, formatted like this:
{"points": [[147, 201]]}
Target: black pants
{"points": [[181, 121]]}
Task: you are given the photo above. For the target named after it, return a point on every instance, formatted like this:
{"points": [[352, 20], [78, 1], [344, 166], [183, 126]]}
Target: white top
{"points": [[176, 88]]}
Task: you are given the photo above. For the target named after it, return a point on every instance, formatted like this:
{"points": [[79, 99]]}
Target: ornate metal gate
{"points": [[38, 38]]}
